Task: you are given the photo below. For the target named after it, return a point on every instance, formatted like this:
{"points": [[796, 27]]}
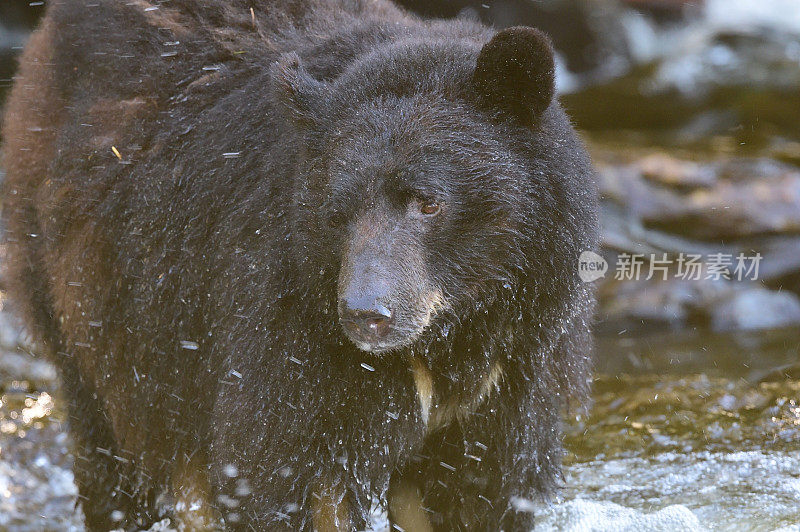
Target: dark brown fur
{"points": [[189, 297]]}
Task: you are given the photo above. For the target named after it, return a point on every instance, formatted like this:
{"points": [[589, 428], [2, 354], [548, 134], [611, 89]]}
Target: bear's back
{"points": [[108, 93]]}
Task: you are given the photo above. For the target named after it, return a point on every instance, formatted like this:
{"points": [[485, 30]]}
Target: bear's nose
{"points": [[366, 322]]}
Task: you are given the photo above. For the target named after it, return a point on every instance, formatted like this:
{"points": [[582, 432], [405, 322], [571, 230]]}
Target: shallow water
{"points": [[690, 432], [687, 432], [726, 450], [37, 492]]}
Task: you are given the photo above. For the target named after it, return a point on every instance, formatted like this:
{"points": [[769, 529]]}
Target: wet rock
{"points": [[643, 305], [11, 334], [648, 306], [728, 299], [733, 69], [742, 170], [664, 9], [657, 203], [23, 14], [623, 232], [586, 34], [626, 187], [24, 367], [670, 171], [755, 308], [736, 210], [780, 267], [10, 41], [711, 202]]}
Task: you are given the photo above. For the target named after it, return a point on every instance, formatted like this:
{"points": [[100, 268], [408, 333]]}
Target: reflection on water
{"points": [[687, 432], [754, 357], [37, 491], [639, 417]]}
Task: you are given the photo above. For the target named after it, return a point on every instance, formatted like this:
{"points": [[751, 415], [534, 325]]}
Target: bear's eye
{"points": [[430, 208]]}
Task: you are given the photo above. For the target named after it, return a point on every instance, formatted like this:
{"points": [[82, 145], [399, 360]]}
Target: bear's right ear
{"points": [[515, 73], [296, 92]]}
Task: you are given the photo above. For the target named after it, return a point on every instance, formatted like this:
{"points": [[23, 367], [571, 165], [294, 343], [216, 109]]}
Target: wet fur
{"points": [[189, 298]]}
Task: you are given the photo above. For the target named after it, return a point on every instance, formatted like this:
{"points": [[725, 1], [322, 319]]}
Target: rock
{"points": [[11, 334], [21, 13], [712, 202], [17, 19], [653, 305], [625, 186], [742, 170], [586, 34], [660, 204], [781, 261], [23, 367], [643, 306], [732, 69], [733, 299], [754, 309], [658, 6], [735, 210], [669, 171]]}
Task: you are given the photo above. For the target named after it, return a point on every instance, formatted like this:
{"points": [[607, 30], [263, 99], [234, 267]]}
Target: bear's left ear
{"points": [[515, 73], [296, 92]]}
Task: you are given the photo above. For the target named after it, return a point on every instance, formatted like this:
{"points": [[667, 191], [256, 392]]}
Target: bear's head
{"points": [[420, 183]]}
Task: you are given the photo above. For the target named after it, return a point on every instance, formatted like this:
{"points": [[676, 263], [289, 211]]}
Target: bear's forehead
{"points": [[426, 116], [403, 131], [426, 143], [387, 166], [407, 151]]}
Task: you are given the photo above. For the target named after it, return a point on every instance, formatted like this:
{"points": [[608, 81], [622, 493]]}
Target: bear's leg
{"points": [[461, 480], [334, 509], [302, 496], [455, 484], [106, 481], [406, 508]]}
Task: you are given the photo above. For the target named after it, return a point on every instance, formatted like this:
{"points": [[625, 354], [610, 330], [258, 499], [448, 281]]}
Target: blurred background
{"points": [[691, 110]]}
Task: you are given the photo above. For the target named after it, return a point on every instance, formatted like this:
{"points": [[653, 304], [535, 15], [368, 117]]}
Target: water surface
{"points": [[687, 432]]}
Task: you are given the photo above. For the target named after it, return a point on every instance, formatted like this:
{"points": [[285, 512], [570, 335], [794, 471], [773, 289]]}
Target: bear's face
{"points": [[421, 198], [424, 204]]}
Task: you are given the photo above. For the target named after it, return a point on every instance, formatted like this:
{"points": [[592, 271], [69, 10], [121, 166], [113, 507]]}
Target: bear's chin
{"points": [[385, 346]]}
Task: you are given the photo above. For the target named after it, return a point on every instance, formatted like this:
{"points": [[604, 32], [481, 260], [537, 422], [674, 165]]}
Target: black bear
{"points": [[296, 258]]}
